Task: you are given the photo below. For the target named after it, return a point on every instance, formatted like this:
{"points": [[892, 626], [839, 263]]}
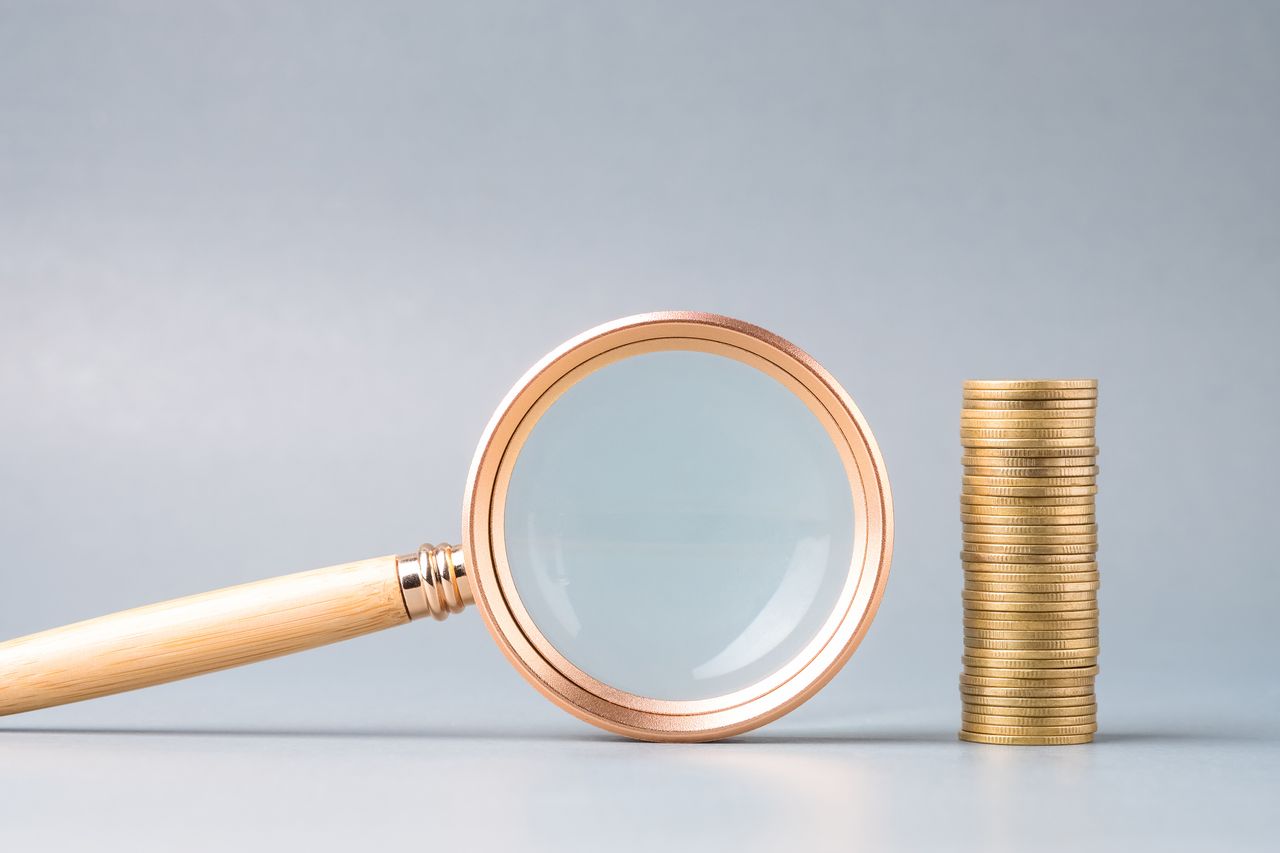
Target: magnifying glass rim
{"points": [[548, 650], [538, 660]]}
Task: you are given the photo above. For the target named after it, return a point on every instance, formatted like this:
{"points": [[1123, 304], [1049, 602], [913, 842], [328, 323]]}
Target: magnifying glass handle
{"points": [[228, 627]]}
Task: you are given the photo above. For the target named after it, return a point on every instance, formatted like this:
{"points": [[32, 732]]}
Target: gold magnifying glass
{"points": [[677, 527]]}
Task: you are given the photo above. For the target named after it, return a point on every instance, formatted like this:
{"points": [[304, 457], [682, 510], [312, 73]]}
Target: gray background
{"points": [[266, 269]]}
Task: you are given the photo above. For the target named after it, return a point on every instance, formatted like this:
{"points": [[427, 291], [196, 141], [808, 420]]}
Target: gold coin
{"points": [[969, 398], [1065, 706], [991, 552], [1058, 536], [998, 429], [976, 464], [1077, 609], [1037, 633], [1029, 574], [1030, 384], [981, 563], [1011, 697], [979, 538], [1028, 527], [1059, 611], [1031, 471], [1026, 413], [1024, 562], [1023, 575], [1031, 514], [1031, 656], [1086, 443], [1024, 520], [988, 419], [1009, 476], [989, 457], [970, 432], [1028, 515], [1011, 534], [1036, 665], [1033, 418], [985, 595], [1003, 501], [980, 496], [1009, 611], [1031, 577], [1030, 394], [983, 553], [1052, 628], [987, 668], [1014, 482], [1029, 697], [1053, 525], [1019, 406], [1031, 587], [1056, 644], [993, 715], [1049, 632], [1030, 677], [991, 601], [1061, 530], [1031, 624], [1051, 649], [1031, 491], [1072, 611], [1046, 429], [1002, 681], [1032, 714], [1033, 678], [987, 555], [988, 611], [1025, 740], [1038, 453], [1026, 731], [1038, 723], [1064, 549], [1042, 634], [1003, 534], [1046, 570], [1052, 473]]}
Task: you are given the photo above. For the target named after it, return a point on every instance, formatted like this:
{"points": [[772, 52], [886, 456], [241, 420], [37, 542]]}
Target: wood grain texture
{"points": [[200, 633]]}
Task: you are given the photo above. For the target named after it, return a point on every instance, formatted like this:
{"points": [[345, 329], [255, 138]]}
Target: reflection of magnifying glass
{"points": [[677, 527]]}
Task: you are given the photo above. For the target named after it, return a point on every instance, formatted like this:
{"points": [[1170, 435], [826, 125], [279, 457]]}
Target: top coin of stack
{"points": [[1030, 568]]}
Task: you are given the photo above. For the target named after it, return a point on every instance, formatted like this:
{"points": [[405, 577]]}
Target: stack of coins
{"points": [[1030, 561]]}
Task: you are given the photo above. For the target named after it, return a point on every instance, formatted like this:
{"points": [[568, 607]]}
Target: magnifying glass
{"points": [[677, 527]]}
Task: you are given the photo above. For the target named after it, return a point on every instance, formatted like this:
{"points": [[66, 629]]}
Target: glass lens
{"points": [[679, 525]]}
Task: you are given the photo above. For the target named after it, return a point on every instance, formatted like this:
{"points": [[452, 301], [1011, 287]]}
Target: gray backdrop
{"points": [[266, 269]]}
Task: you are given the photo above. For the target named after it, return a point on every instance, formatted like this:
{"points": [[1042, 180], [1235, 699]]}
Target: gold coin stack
{"points": [[1030, 562]]}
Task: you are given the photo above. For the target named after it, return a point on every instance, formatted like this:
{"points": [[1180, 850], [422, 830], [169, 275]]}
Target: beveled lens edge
{"points": [[626, 713]]}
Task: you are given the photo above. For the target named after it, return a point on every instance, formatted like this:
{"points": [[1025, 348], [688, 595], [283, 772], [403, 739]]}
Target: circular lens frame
{"points": [[529, 650]]}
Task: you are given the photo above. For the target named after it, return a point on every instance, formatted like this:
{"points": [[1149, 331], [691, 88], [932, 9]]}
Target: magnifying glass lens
{"points": [[679, 525]]}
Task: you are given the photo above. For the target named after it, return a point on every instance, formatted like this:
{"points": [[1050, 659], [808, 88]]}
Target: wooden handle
{"points": [[199, 633]]}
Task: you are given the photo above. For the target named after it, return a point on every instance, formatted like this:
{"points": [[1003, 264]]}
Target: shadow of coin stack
{"points": [[1030, 561]]}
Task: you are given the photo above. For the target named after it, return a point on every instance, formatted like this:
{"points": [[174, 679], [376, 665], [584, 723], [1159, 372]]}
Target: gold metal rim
{"points": [[571, 688]]}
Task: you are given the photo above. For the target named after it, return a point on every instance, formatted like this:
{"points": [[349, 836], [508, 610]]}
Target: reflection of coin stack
{"points": [[1030, 570]]}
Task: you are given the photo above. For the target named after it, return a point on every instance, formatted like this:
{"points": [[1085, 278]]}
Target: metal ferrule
{"points": [[434, 581]]}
